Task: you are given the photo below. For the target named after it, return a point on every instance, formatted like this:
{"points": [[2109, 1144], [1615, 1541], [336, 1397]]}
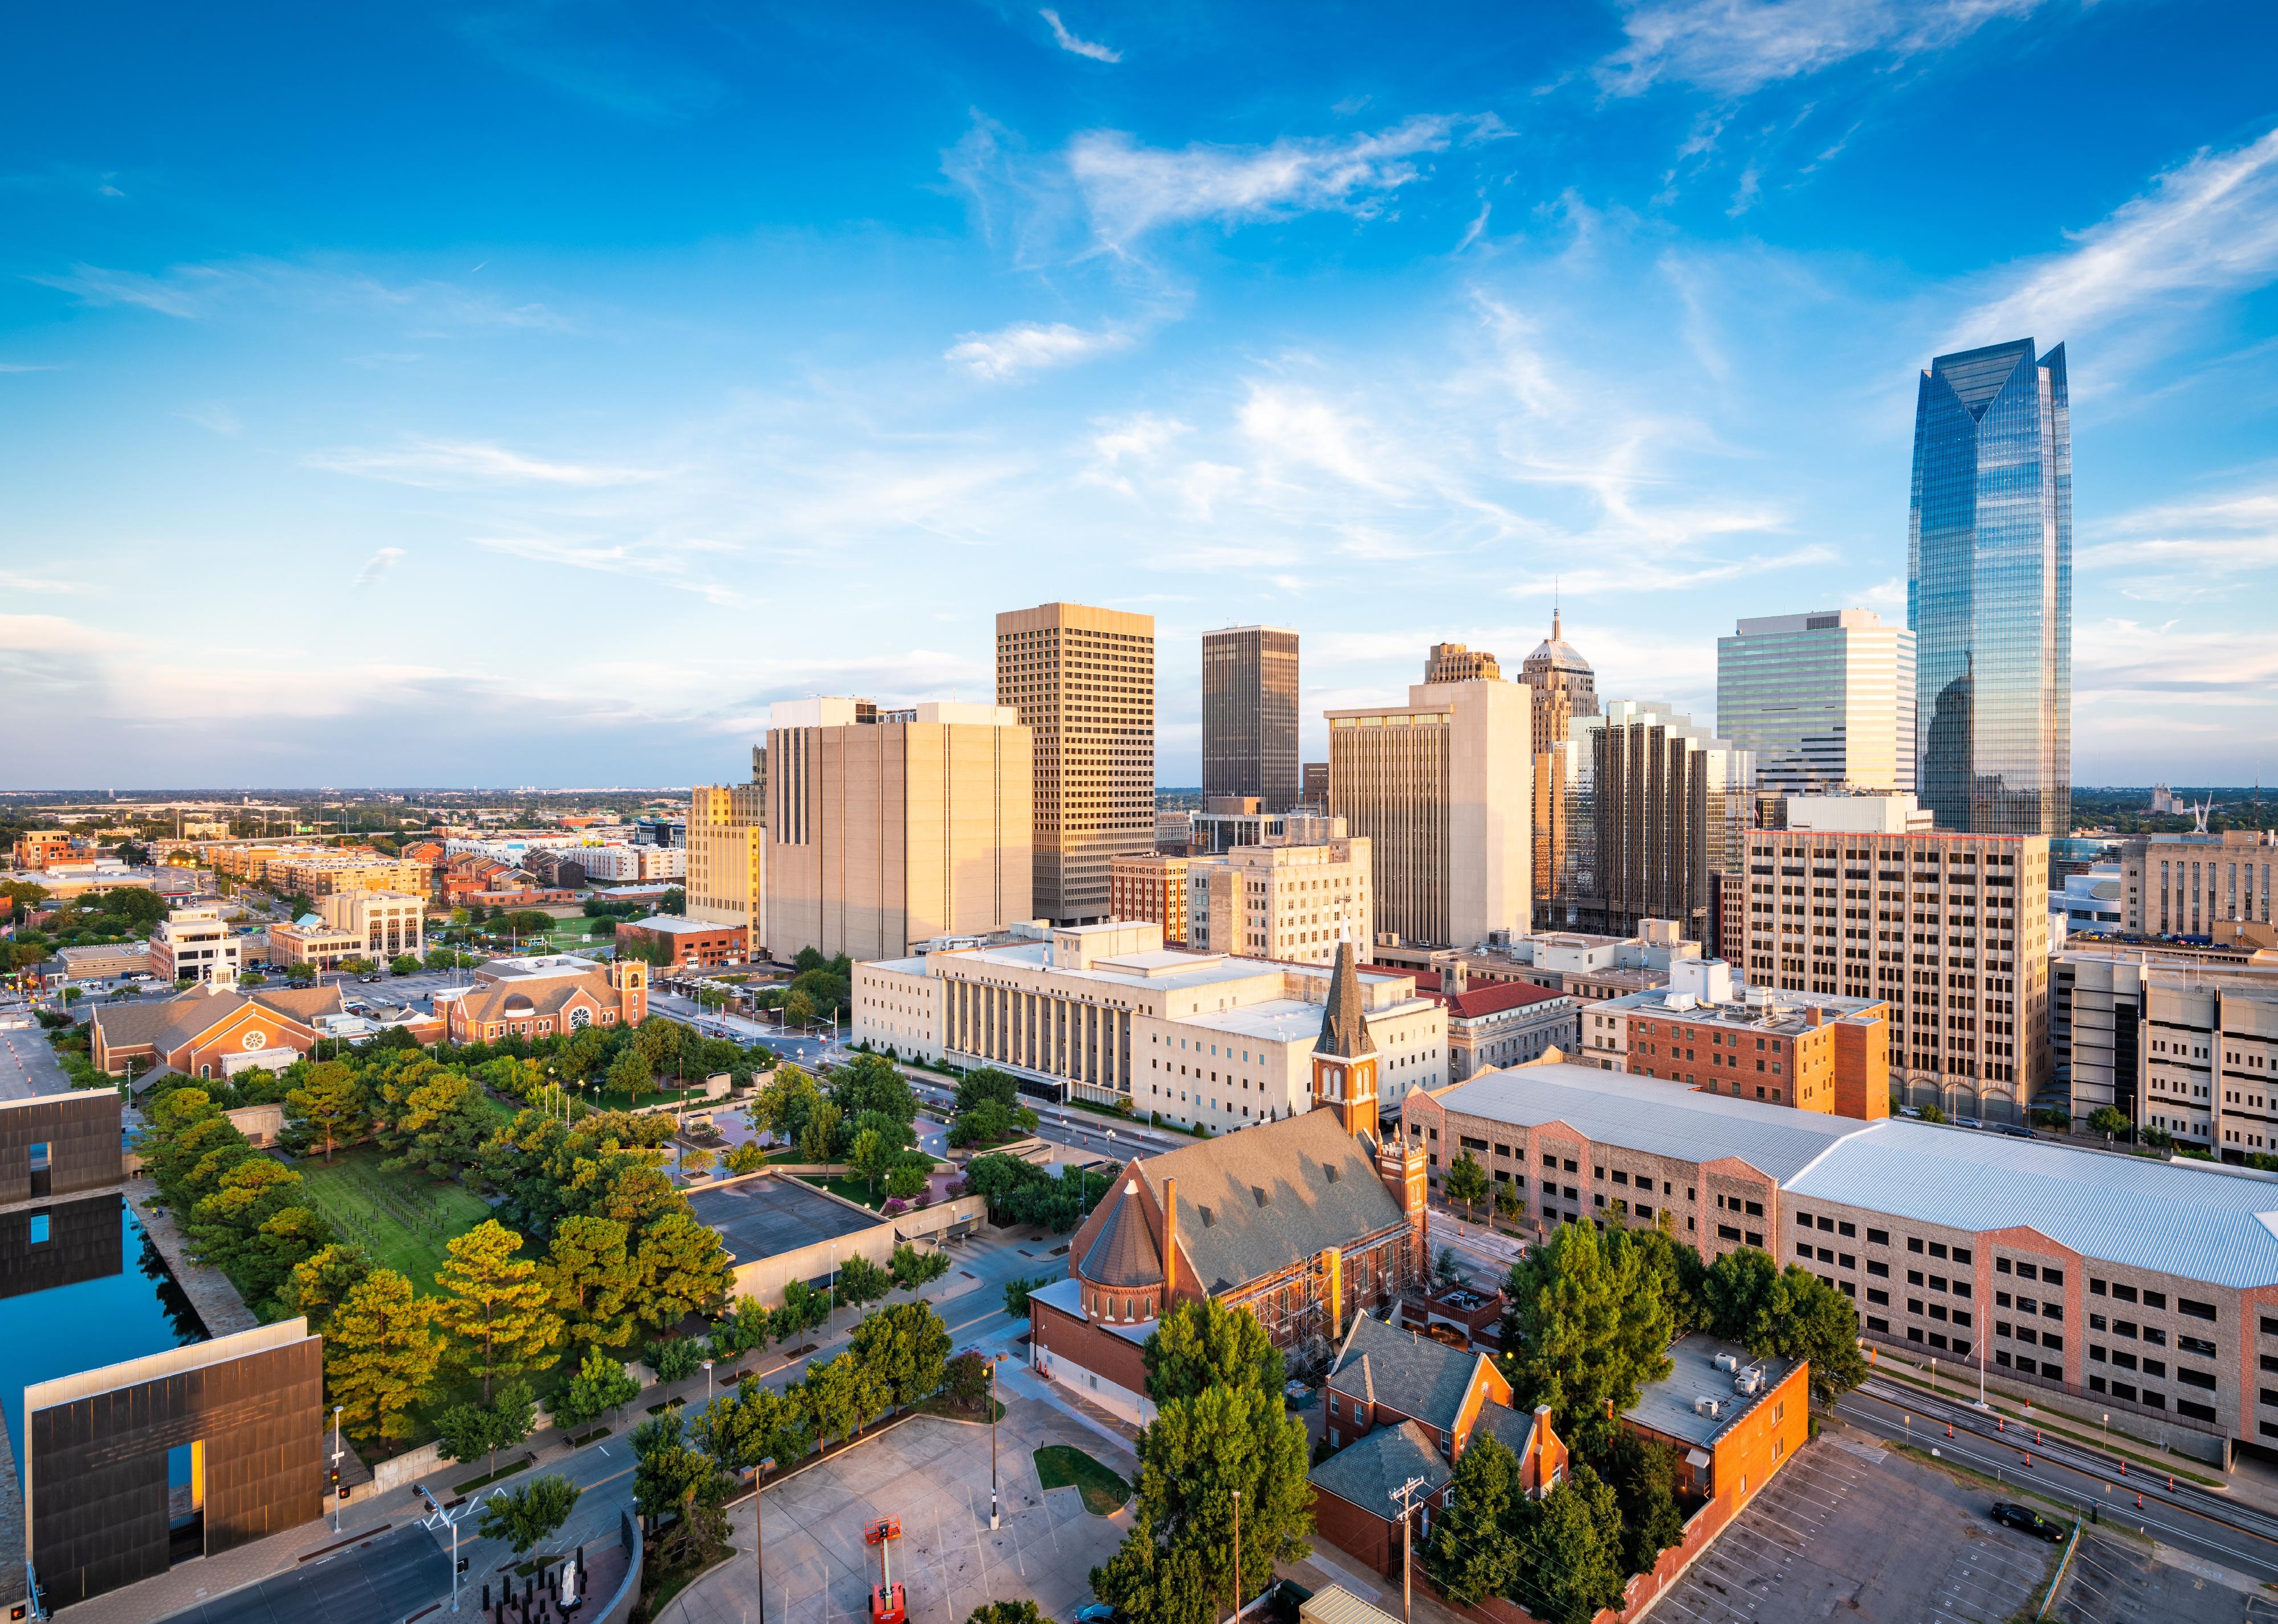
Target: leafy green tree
{"points": [[803, 1309], [602, 1383], [674, 1358], [909, 1177], [756, 1423], [527, 1516], [906, 1347], [695, 1162], [862, 1281], [1020, 1612], [1735, 1291], [1447, 1273], [1807, 1318], [872, 1157], [843, 1395], [2110, 1121], [592, 1280], [440, 1124], [913, 1269], [320, 1283], [967, 1378], [683, 1269], [797, 1009], [1679, 1271], [287, 1239], [1572, 1545], [749, 1157], [818, 1140], [470, 1430], [1471, 1554], [745, 1325], [789, 1099], [1586, 1329], [872, 1082], [301, 975], [1017, 1292], [1202, 1344], [223, 1224], [1466, 1184], [380, 1356], [497, 1312], [1643, 1472], [329, 1108], [404, 964], [631, 1074], [1174, 1567]]}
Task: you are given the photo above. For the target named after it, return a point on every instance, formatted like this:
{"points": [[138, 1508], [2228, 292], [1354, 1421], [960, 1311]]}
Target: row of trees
{"points": [[989, 1109], [245, 1213], [867, 1117], [1019, 1191]]}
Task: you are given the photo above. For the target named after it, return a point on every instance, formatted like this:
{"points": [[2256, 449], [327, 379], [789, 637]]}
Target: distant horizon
{"points": [[94, 797]]}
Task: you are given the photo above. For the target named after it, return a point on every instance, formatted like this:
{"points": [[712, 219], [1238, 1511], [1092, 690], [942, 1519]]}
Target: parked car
{"points": [[1911, 1111], [2027, 1521], [1097, 1612]]}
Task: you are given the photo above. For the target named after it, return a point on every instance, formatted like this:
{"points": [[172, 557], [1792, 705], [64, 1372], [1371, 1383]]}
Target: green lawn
{"points": [[403, 1219], [1059, 1466], [851, 1188]]}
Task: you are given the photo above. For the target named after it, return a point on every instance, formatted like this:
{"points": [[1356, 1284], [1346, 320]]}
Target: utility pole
{"points": [[1405, 1495], [1237, 1557], [992, 1438], [759, 1558]]}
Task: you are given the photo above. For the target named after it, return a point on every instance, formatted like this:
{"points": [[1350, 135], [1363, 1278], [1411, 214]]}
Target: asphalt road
{"points": [[379, 1582], [28, 1066], [2205, 1524]]}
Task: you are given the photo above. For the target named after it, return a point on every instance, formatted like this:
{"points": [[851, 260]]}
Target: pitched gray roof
{"points": [[1123, 1253], [1320, 1189], [1366, 1473], [1641, 1113], [167, 1022], [1410, 1373], [1513, 1430]]}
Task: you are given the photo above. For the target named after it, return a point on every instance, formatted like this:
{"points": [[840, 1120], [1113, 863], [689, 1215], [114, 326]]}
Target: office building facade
{"points": [[1824, 702], [1153, 889], [1951, 930], [1283, 900], [1561, 686], [2217, 885], [1441, 788], [728, 858], [1249, 714], [1082, 680], [1989, 591], [886, 827]]}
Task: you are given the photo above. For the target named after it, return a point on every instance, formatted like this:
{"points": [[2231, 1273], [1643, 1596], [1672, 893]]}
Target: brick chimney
{"points": [[1170, 1243]]}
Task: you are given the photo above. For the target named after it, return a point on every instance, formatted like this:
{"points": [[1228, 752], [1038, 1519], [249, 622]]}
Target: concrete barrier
{"points": [[410, 1466]]}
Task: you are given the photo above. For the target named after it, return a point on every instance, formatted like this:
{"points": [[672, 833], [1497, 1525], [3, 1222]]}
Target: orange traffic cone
{"points": [[2139, 1502], [1949, 1429]]}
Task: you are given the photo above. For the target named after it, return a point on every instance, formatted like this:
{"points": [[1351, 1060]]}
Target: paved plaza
{"points": [[934, 1475]]}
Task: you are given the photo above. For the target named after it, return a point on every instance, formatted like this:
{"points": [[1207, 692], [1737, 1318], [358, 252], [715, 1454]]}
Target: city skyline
{"points": [[638, 391]]}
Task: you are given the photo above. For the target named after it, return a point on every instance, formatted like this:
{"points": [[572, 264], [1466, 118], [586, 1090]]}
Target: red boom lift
{"points": [[887, 1604]]}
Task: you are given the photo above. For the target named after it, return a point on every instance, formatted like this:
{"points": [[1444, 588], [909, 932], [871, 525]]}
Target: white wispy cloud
{"points": [[663, 562], [454, 463], [1032, 346], [2227, 535], [186, 292], [377, 565], [1069, 43], [24, 366], [1736, 47], [2207, 227], [1665, 578], [1129, 190], [17, 581], [214, 416]]}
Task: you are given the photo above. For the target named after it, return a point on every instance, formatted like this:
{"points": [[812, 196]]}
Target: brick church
{"points": [[1304, 1222]]}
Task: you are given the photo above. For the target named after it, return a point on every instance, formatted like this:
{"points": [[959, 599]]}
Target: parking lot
{"points": [[2113, 1582], [1851, 1530]]}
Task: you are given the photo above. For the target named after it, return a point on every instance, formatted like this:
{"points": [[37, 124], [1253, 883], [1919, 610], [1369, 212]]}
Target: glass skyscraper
{"points": [[1989, 591], [1825, 702], [1249, 714]]}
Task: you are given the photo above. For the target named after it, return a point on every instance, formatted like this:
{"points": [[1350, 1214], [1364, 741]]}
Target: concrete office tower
{"points": [[1249, 714], [1825, 701], [1561, 686], [1314, 790], [728, 858], [1082, 681], [1952, 929], [886, 827], [1441, 790], [1655, 805], [1989, 591]]}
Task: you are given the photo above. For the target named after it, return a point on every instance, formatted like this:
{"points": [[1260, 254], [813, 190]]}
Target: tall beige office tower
{"points": [[889, 828], [1452, 662], [1440, 788], [728, 860], [1249, 714], [1561, 687], [1824, 701], [1082, 681]]}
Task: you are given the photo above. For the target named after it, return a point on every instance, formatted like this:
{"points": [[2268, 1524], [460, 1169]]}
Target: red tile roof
{"points": [[1495, 999]]}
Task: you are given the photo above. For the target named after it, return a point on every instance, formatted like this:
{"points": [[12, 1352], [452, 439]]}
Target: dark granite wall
{"points": [[82, 1133]]}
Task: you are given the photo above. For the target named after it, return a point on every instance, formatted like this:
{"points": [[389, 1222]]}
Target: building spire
{"points": [[1344, 1024], [1555, 635]]}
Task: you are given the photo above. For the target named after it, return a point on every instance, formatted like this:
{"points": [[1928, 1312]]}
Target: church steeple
{"points": [[1344, 1055]]}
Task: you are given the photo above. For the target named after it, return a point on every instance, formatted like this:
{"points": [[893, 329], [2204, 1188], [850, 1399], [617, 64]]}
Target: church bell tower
{"points": [[1344, 1055]]}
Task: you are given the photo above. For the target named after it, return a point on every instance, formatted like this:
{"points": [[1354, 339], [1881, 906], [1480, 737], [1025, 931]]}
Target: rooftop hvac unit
{"points": [[1708, 1406], [1748, 1384], [1728, 1362]]}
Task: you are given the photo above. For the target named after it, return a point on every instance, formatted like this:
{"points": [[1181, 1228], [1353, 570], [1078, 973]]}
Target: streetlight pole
{"points": [[759, 1558], [992, 1438], [337, 1408]]}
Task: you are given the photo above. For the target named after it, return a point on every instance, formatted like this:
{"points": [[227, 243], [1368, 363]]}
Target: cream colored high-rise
{"points": [[1082, 681], [728, 858], [890, 828], [1441, 790]]}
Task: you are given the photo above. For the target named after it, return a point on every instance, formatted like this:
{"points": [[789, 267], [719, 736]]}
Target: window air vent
{"points": [[1210, 1218], [1330, 1168], [1257, 1193]]}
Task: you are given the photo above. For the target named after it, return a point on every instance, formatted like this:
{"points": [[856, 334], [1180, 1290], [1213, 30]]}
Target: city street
{"points": [[28, 1066]]}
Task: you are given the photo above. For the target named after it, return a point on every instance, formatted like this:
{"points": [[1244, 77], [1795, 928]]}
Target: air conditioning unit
{"points": [[1708, 1406], [1748, 1384], [1728, 1362]]}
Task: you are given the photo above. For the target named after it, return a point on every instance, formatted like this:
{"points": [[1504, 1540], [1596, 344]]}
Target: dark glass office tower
{"points": [[1249, 714], [1989, 591]]}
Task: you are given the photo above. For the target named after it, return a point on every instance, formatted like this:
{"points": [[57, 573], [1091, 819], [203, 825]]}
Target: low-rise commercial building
{"points": [[538, 997], [1105, 1012], [1951, 930], [694, 944], [1509, 1024], [2144, 1286], [378, 926], [616, 863], [1811, 1051], [2214, 886], [35, 849], [325, 874], [105, 964], [195, 944], [1283, 900]]}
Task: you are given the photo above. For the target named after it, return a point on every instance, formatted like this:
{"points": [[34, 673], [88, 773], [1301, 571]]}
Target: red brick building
{"points": [[696, 944], [1302, 1222], [211, 1032], [536, 997]]}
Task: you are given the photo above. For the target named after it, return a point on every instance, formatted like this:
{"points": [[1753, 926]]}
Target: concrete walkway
{"points": [[220, 1309]]}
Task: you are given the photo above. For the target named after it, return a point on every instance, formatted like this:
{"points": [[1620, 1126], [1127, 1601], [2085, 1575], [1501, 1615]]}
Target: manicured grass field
{"points": [[403, 1219], [1060, 1466]]}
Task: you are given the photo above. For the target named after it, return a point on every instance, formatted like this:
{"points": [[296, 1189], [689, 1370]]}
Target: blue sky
{"points": [[529, 394]]}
